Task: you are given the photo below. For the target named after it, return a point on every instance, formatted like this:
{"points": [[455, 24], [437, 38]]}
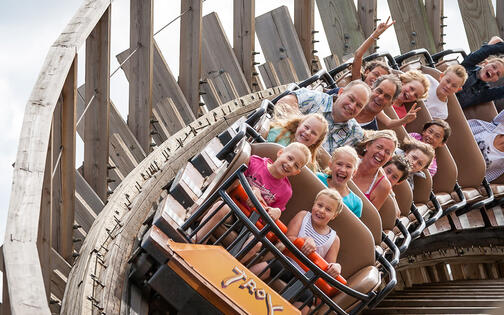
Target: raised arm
{"points": [[497, 47], [359, 53]]}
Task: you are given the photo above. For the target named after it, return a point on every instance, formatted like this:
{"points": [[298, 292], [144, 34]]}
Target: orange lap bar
{"points": [[321, 263], [240, 197]]}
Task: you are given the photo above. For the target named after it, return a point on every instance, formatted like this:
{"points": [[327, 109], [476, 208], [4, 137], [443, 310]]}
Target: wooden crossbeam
{"points": [[218, 57], [244, 36], [279, 40], [479, 21], [411, 26], [340, 20], [141, 76], [190, 51]]}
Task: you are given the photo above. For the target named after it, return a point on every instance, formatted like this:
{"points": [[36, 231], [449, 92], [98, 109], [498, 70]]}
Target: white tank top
{"points": [[322, 241]]}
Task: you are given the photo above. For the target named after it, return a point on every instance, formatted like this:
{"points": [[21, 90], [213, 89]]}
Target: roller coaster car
{"points": [[213, 277]]}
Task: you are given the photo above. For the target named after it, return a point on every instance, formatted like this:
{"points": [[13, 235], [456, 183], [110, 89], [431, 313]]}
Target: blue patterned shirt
{"points": [[340, 133]]}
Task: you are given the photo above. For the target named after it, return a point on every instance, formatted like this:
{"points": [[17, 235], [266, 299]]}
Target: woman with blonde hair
{"points": [[309, 130], [376, 149]]}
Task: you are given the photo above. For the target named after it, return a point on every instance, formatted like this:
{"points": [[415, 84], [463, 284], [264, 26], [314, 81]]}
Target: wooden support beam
{"points": [[304, 20], [269, 75], [434, 10], [87, 193], [479, 21], [56, 172], [286, 72], [499, 15], [44, 238], [140, 87], [210, 96], [331, 62], [164, 86], [190, 51], [68, 134], [411, 26], [339, 18], [97, 97], [244, 36], [120, 154], [224, 87], [367, 19], [279, 40], [218, 56]]}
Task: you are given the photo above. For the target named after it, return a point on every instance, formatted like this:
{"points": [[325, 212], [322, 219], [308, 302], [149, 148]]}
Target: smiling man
{"points": [[340, 113], [385, 90]]}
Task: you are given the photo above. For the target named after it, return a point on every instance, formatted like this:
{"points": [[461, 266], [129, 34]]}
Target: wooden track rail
{"points": [[70, 233]]}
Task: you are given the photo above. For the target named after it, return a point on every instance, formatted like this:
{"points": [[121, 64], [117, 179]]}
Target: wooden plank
{"points": [[269, 74], [304, 20], [68, 134], [84, 215], [367, 18], [116, 125], [434, 10], [190, 51], [138, 305], [286, 72], [60, 264], [224, 87], [159, 131], [244, 36], [499, 15], [58, 283], [115, 176], [210, 96], [479, 21], [87, 193], [442, 272], [331, 62], [97, 98], [45, 230], [218, 56], [121, 156], [141, 75], [56, 187], [339, 18], [164, 86], [279, 40], [457, 272], [411, 25]]}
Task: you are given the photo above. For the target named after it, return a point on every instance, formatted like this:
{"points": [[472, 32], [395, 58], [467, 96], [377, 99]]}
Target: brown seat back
{"points": [[388, 213], [484, 111], [423, 188], [404, 197], [323, 158], [370, 216], [357, 243]]}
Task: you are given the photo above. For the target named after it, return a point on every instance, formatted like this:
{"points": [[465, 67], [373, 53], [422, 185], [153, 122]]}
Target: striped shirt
{"points": [[484, 133]]}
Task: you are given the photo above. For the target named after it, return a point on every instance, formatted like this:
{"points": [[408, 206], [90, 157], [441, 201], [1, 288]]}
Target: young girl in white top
{"points": [[450, 82], [319, 237]]}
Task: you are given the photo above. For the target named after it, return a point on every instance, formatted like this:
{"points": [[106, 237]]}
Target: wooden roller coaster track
{"points": [[68, 238]]}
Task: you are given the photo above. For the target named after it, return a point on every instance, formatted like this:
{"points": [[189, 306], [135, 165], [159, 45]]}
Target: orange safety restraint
{"points": [[321, 263], [240, 197]]}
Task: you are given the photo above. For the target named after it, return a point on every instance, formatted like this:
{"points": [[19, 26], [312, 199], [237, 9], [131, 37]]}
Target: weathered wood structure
{"points": [[70, 232]]}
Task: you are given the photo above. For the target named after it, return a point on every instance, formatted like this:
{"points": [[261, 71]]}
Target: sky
{"points": [[29, 27]]}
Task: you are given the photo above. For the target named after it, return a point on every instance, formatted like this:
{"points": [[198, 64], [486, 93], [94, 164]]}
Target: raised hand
{"points": [[382, 27], [411, 115]]}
